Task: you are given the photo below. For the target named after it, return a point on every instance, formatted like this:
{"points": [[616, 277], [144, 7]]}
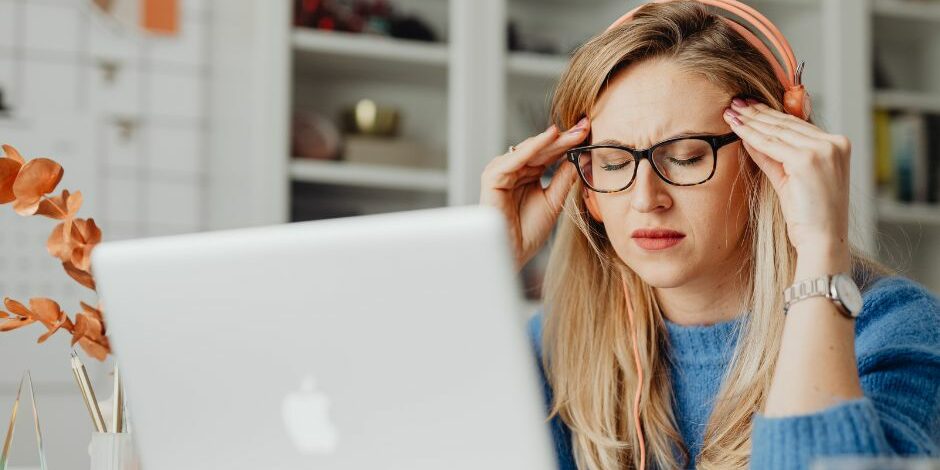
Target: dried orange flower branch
{"points": [[26, 184]]}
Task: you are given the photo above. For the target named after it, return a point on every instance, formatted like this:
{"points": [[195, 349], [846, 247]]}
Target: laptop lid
{"points": [[381, 341]]}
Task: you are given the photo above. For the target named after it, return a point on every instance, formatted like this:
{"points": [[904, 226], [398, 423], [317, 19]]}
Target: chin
{"points": [[662, 275]]}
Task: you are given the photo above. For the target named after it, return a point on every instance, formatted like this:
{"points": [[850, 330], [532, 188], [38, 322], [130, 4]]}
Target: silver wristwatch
{"points": [[840, 288]]}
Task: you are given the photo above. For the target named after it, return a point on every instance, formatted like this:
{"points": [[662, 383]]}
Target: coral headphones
{"points": [[796, 102]]}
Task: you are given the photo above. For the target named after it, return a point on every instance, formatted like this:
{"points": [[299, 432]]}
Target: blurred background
{"points": [[176, 116]]}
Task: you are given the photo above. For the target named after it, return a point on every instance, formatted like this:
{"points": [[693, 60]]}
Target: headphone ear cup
{"points": [[796, 102], [591, 202]]}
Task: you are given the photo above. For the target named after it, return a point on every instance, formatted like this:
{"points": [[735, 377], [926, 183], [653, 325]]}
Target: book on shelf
{"points": [[907, 155], [396, 151]]}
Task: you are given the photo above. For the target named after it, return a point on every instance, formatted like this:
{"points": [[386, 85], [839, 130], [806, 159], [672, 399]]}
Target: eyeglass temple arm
{"points": [[726, 139]]}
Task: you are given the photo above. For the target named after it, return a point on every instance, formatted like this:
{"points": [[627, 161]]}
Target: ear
{"points": [[591, 202]]}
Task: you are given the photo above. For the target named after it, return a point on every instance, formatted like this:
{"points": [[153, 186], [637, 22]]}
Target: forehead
{"points": [[652, 100]]}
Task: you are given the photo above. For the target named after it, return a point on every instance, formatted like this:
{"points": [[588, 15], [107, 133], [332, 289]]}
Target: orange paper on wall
{"points": [[160, 16]]}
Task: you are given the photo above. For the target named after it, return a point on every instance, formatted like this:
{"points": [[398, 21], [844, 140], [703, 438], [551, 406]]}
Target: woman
{"points": [[702, 367]]}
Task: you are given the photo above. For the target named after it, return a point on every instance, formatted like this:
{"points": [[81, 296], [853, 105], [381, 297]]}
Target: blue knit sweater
{"points": [[897, 347]]}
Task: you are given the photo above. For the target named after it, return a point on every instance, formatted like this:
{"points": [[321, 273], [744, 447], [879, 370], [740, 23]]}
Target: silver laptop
{"points": [[391, 341]]}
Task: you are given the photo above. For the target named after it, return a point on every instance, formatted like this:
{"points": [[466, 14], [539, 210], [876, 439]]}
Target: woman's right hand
{"points": [[512, 183]]}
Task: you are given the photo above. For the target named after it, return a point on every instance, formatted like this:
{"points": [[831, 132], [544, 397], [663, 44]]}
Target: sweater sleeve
{"points": [[561, 434], [897, 347]]}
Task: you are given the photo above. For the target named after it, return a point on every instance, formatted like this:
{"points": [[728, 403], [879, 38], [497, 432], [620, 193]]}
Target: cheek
{"points": [[718, 223], [728, 204]]}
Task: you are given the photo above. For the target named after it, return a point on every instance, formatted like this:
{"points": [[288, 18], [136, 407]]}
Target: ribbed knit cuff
{"points": [[793, 442]]}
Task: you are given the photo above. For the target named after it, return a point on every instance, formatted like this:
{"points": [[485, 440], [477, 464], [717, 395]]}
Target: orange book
{"points": [[160, 16]]}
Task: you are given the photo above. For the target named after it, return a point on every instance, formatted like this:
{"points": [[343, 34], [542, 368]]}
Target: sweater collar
{"points": [[703, 344]]}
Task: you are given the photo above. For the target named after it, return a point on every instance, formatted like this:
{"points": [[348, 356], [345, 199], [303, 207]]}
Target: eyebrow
{"points": [[686, 133]]}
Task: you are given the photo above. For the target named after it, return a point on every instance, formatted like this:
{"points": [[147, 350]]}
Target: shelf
{"points": [[367, 175], [539, 66], [892, 211], [339, 54], [907, 101], [907, 9]]}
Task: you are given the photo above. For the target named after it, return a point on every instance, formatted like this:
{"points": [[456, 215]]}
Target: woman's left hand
{"points": [[808, 168]]}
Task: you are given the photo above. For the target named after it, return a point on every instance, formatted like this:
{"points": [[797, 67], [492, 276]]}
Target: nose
{"points": [[648, 191]]}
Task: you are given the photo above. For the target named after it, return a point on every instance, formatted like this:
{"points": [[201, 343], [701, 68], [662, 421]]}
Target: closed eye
{"points": [[615, 166], [686, 161]]}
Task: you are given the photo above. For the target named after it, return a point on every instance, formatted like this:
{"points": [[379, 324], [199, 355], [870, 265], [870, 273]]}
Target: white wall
{"points": [[148, 183]]}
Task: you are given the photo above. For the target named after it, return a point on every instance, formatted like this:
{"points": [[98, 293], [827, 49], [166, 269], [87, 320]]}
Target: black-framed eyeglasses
{"points": [[680, 161]]}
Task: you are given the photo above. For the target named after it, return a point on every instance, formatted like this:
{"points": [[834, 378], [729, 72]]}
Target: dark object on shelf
{"points": [[880, 78], [315, 201], [519, 42], [411, 27], [513, 43], [360, 16], [933, 158]]}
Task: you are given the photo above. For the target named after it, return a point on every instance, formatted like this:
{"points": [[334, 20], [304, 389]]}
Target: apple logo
{"points": [[307, 421]]}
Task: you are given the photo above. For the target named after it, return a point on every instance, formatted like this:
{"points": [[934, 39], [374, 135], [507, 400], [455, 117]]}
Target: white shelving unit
{"points": [[346, 55], [908, 100], [469, 97], [894, 212], [906, 9], [367, 175], [358, 46], [906, 39]]}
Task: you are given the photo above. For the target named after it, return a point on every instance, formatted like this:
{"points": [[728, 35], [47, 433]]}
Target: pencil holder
{"points": [[113, 451]]}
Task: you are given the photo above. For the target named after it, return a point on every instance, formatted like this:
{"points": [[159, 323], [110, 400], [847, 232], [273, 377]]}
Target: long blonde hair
{"points": [[588, 349]]}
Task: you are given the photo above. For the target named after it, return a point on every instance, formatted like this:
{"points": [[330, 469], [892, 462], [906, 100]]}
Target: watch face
{"points": [[848, 293]]}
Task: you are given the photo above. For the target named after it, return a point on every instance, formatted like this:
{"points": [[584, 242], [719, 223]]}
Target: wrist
{"points": [[821, 260]]}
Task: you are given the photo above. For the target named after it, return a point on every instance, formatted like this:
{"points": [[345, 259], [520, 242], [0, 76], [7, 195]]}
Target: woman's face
{"points": [[646, 103]]}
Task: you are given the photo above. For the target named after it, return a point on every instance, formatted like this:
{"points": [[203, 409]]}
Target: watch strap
{"points": [[805, 289]]}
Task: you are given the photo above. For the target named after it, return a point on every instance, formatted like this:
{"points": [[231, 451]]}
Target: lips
{"points": [[656, 239]]}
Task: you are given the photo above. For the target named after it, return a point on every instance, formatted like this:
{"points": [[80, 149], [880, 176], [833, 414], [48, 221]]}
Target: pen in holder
{"points": [[112, 446], [113, 451]]}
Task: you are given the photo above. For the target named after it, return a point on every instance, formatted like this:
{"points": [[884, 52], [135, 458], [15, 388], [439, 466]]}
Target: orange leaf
{"points": [[9, 168], [81, 252], [82, 277], [91, 311], [60, 246], [16, 308], [47, 310], [96, 314], [55, 207], [52, 329], [92, 328], [91, 234], [72, 209], [74, 203], [11, 325], [37, 178], [81, 257], [13, 154], [78, 332], [96, 350]]}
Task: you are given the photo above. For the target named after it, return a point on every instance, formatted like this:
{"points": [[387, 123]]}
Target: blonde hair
{"points": [[588, 358]]}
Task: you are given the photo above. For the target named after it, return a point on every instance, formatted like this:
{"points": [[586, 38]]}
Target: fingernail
{"points": [[732, 116], [752, 101], [579, 126], [739, 102]]}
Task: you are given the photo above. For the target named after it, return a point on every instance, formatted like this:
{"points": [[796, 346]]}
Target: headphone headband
{"points": [[796, 100]]}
